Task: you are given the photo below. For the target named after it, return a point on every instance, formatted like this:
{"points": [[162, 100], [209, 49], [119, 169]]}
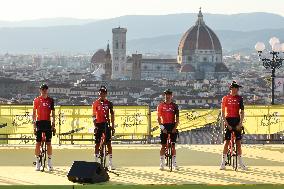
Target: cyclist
{"points": [[43, 106], [233, 116], [102, 107], [168, 119]]}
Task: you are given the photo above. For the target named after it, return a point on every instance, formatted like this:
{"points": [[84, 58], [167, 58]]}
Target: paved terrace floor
{"points": [[139, 164]]}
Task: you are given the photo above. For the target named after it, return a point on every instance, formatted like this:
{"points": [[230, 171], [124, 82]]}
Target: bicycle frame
{"points": [[43, 151], [103, 148], [232, 155], [168, 153]]}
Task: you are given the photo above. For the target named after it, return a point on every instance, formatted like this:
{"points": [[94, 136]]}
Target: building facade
{"points": [[200, 53], [118, 53]]}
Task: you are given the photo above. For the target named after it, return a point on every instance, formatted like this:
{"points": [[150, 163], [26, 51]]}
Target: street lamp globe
{"points": [[282, 47], [273, 41], [259, 46], [276, 47]]}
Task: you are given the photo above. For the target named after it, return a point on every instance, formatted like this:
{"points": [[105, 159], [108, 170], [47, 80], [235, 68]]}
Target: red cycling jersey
{"points": [[43, 107], [232, 105], [101, 110], [168, 112]]}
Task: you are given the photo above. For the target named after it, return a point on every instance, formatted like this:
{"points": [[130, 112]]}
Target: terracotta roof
{"points": [[99, 56], [199, 36], [187, 68], [221, 67]]}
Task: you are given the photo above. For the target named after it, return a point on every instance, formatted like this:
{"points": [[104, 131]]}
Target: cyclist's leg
{"points": [[238, 138], [239, 149], [37, 146], [48, 135], [225, 149], [108, 139], [98, 136], [173, 139], [163, 138], [109, 147], [38, 141], [239, 143], [227, 136]]}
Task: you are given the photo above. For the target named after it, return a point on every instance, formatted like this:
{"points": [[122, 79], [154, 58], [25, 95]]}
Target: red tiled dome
{"points": [[199, 36], [99, 56], [187, 68]]}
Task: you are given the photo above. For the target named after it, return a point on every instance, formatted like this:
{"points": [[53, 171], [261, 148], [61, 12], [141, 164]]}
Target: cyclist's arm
{"points": [[94, 114], [52, 113], [159, 115], [111, 114], [223, 110], [53, 117], [242, 111], [177, 116], [34, 113]]}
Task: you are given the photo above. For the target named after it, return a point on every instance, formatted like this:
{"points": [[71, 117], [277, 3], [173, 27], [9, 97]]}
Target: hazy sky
{"points": [[33, 9]]}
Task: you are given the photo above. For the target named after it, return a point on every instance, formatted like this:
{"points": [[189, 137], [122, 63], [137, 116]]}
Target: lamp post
{"points": [[274, 63]]}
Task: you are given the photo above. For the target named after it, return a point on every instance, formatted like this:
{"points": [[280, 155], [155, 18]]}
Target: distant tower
{"points": [[118, 53], [37, 61], [136, 66], [108, 64]]}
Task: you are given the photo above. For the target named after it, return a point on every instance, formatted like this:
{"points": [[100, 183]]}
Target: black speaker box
{"points": [[87, 172]]}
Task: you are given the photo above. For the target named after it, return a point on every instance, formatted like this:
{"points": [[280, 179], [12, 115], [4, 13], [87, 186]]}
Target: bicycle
{"points": [[168, 152], [103, 149], [232, 155], [43, 152]]}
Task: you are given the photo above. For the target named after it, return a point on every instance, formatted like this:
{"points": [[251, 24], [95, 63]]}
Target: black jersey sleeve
{"points": [[242, 107], [111, 107], [52, 104], [176, 110]]}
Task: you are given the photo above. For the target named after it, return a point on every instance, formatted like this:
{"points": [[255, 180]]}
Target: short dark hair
{"points": [[234, 84], [168, 91], [43, 86], [103, 89]]}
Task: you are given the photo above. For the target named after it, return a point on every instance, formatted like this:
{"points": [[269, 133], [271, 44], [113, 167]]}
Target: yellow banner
{"points": [[264, 119], [189, 119], [132, 122]]}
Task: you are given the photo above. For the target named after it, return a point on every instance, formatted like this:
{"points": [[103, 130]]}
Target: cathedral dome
{"points": [[99, 57], [199, 37]]}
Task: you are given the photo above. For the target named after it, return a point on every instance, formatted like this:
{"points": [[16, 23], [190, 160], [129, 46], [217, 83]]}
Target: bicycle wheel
{"points": [[229, 158], [101, 151], [105, 155], [170, 157], [235, 163], [43, 155], [166, 156], [236, 157]]}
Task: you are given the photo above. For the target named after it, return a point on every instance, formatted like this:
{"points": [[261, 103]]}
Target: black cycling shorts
{"points": [[233, 122], [43, 126], [101, 129], [163, 136]]}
